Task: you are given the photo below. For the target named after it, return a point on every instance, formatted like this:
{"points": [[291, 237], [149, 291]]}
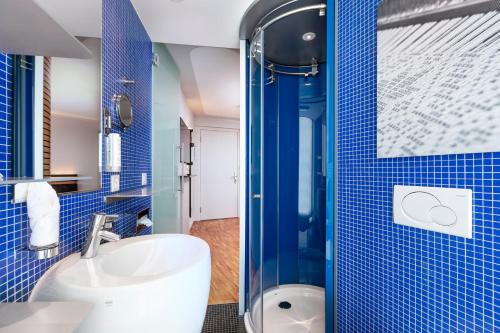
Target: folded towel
{"points": [[43, 212], [145, 221]]}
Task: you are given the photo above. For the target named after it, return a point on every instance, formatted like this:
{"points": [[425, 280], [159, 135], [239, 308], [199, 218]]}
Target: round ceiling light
{"points": [[308, 36]]}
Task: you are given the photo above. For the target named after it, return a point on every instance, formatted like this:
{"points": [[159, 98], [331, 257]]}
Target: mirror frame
{"points": [[122, 104]]}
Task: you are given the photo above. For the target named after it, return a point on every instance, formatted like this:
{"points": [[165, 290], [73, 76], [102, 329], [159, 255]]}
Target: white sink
{"points": [[156, 283]]}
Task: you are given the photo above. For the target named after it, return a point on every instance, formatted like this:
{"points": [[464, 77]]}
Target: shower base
{"points": [[292, 308]]}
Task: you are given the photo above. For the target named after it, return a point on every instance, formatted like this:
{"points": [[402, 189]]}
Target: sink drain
{"points": [[285, 305]]}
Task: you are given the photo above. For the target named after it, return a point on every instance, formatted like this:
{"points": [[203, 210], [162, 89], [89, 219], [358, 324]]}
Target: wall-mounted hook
{"points": [[126, 81]]}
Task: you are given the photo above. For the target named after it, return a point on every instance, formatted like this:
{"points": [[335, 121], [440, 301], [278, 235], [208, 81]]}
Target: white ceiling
{"points": [[217, 73], [190, 22], [210, 79], [79, 17], [193, 22], [27, 29], [182, 57], [199, 34], [208, 29]]}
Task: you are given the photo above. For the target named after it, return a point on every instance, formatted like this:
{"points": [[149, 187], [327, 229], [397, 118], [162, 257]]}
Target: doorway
{"points": [[218, 221], [219, 174]]}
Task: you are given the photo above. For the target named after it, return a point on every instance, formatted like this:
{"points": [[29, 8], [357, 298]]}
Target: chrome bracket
{"points": [[271, 79], [314, 68], [126, 81]]}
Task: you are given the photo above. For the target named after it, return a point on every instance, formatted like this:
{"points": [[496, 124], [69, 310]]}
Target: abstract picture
{"points": [[438, 73]]}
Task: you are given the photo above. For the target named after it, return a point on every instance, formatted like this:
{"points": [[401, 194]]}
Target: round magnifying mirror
{"points": [[123, 108]]}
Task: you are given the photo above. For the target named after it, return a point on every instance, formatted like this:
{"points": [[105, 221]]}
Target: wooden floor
{"points": [[223, 238]]}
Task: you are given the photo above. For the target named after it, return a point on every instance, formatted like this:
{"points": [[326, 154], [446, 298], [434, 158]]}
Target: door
{"points": [[166, 133], [255, 186], [219, 174]]}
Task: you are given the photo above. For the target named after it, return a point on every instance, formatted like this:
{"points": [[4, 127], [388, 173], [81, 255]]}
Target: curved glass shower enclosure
{"points": [[286, 166]]}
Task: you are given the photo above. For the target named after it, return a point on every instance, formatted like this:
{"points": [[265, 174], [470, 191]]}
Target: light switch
{"points": [[144, 179], [446, 210], [115, 183]]}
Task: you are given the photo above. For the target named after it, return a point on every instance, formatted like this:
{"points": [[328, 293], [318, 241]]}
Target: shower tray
{"points": [[292, 308]]}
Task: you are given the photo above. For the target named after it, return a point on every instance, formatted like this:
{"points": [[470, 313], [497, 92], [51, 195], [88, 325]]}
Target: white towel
{"points": [[145, 221], [43, 212]]}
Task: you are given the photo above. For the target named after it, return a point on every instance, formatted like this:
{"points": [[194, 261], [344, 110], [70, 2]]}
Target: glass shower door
{"points": [[256, 181], [166, 142]]}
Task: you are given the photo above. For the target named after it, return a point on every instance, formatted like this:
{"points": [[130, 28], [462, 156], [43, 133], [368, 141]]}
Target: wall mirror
{"points": [[438, 77], [57, 109], [123, 108]]}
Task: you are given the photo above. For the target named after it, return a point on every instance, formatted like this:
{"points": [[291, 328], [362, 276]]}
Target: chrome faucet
{"points": [[99, 228]]}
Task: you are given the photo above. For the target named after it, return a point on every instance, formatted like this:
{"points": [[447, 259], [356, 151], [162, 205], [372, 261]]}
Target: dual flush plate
{"points": [[445, 210]]}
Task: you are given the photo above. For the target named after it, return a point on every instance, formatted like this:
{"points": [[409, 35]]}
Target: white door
{"points": [[219, 174]]}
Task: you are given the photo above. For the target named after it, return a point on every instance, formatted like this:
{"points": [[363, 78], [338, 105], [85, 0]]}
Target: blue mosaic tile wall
{"points": [[126, 52], [394, 278]]}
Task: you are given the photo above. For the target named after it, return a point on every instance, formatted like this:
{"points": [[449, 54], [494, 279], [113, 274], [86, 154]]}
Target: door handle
{"points": [[235, 177], [175, 173]]}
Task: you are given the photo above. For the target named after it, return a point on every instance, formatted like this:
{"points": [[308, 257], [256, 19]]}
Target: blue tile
{"points": [[393, 278], [126, 51]]}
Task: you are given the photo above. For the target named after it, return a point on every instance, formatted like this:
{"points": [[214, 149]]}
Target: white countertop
{"points": [[42, 317]]}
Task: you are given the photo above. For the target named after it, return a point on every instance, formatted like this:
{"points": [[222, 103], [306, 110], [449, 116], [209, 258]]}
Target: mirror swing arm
{"points": [[108, 122]]}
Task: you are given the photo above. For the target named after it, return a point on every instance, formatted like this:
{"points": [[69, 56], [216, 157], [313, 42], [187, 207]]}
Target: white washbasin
{"points": [[156, 283]]}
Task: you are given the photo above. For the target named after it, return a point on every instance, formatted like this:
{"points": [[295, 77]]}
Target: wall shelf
{"points": [[19, 180], [141, 192]]}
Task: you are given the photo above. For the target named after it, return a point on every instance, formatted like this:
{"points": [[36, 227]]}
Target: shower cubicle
{"points": [[287, 165]]}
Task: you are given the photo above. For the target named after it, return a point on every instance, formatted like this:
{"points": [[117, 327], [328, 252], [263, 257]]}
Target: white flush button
{"points": [[443, 215], [417, 206], [440, 209]]}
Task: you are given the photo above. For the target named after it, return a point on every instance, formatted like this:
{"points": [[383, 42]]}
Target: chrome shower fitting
{"points": [[312, 72]]}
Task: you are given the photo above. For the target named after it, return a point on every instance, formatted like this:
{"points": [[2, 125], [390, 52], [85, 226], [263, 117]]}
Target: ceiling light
{"points": [[308, 36]]}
